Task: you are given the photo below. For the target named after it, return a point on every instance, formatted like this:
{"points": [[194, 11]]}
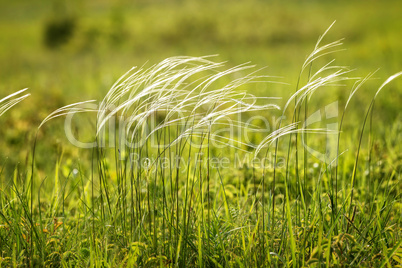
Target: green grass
{"points": [[65, 206]]}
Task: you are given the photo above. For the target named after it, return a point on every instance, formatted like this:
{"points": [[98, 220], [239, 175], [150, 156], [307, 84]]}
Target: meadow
{"points": [[250, 134]]}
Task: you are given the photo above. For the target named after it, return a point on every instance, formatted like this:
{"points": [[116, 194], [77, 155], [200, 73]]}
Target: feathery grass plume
{"points": [[68, 109], [179, 88], [327, 75], [317, 80], [11, 100], [286, 130], [323, 50]]}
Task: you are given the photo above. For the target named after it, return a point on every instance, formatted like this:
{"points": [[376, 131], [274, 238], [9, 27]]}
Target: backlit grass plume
{"points": [[11, 100], [181, 92]]}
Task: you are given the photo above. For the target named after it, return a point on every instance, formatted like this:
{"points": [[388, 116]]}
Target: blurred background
{"points": [[70, 51]]}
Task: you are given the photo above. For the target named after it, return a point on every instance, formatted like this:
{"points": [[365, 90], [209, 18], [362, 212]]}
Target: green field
{"points": [[183, 173]]}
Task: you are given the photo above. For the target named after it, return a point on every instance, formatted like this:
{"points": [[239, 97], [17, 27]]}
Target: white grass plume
{"points": [[68, 109], [327, 75], [286, 130], [322, 50], [7, 102], [184, 89]]}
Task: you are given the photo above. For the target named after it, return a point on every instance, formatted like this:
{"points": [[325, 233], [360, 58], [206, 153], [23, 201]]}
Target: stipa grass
{"points": [[11, 100], [154, 196]]}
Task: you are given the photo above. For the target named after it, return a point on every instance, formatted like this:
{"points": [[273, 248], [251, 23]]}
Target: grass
{"points": [[180, 170], [7, 102]]}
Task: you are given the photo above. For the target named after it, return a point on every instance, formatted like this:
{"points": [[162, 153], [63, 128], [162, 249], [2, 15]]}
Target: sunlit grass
{"points": [[177, 208]]}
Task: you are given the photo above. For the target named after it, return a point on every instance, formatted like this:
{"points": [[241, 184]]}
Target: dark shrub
{"points": [[58, 31]]}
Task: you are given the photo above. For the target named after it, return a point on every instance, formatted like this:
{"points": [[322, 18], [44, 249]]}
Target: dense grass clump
{"points": [[182, 171]]}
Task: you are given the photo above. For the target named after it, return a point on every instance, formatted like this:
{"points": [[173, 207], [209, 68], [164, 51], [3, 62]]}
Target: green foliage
{"points": [[62, 206]]}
